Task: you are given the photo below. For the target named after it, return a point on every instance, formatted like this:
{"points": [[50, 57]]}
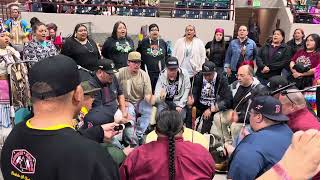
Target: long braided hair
{"points": [[170, 123]]}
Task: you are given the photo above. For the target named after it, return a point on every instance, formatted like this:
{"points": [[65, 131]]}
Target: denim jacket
{"points": [[233, 53]]}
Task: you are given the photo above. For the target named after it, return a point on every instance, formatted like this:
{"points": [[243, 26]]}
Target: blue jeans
{"points": [[163, 105], [140, 114]]}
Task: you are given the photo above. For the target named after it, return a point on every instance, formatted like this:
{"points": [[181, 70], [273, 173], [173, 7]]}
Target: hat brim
{"points": [[279, 117], [173, 66], [111, 71], [91, 90], [207, 72], [135, 60]]}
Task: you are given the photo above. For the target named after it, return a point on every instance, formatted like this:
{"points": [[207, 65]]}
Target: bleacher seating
{"points": [[196, 9], [137, 11], [297, 8]]}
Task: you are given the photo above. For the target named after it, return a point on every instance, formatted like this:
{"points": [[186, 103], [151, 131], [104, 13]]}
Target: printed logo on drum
{"points": [[23, 161]]}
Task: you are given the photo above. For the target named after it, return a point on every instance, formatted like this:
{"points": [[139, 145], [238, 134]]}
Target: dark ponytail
{"points": [[170, 123]]}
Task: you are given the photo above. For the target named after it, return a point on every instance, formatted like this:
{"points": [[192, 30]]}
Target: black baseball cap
{"points": [[269, 107], [58, 74], [107, 65], [172, 63], [277, 82], [208, 67], [88, 88]]}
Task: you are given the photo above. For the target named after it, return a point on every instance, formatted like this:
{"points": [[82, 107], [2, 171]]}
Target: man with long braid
{"points": [[170, 157]]}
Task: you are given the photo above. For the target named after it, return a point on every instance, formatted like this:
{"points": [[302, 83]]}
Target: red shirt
{"points": [[307, 59], [150, 161], [303, 120]]}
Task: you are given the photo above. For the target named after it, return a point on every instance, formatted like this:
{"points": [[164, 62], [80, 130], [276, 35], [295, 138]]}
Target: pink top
{"points": [[316, 12]]}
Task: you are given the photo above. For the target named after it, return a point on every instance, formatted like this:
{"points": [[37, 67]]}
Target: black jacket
{"points": [[279, 60], [222, 91], [217, 52], [294, 47]]}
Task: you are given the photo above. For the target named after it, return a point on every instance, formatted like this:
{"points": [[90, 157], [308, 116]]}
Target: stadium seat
{"points": [[207, 15], [123, 11], [179, 13], [208, 5], [194, 5], [180, 4], [137, 11], [221, 5], [150, 12], [193, 14]]}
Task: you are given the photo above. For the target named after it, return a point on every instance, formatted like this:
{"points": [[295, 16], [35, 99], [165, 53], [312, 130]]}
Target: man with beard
{"points": [[138, 94], [153, 52], [107, 99]]}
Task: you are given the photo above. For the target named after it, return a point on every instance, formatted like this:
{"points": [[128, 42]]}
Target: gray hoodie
{"points": [[183, 87]]}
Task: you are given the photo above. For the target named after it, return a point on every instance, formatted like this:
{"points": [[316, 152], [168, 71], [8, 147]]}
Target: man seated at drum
{"points": [[210, 94], [242, 91], [137, 91], [172, 88]]}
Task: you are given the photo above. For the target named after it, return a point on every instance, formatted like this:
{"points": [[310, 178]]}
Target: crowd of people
{"points": [[82, 94], [309, 9]]}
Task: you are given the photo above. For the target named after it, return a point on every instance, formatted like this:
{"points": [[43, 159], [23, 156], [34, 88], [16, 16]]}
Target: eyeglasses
{"points": [[292, 102], [135, 62]]}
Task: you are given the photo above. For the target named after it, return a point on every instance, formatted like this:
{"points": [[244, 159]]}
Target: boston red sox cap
{"points": [[269, 107]]}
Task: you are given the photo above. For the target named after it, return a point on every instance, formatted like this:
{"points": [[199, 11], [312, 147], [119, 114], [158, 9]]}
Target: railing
{"points": [[61, 5]]}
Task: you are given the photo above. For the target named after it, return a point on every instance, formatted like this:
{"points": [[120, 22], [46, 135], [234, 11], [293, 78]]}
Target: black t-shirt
{"points": [[172, 88], [242, 92], [153, 52], [118, 50], [86, 55], [54, 155]]}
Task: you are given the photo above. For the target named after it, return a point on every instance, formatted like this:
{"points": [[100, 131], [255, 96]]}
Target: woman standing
{"points": [[297, 42], [81, 48], [272, 57], [216, 49], [153, 52], [118, 46], [7, 55], [56, 40], [38, 48], [190, 51], [304, 62]]}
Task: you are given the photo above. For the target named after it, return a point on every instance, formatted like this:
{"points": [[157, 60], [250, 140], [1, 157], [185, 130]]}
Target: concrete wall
{"points": [[170, 28]]}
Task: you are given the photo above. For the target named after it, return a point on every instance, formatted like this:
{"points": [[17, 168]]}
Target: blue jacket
{"points": [[233, 53]]}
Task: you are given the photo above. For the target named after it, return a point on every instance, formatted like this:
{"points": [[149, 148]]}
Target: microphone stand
{"points": [[308, 89]]}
